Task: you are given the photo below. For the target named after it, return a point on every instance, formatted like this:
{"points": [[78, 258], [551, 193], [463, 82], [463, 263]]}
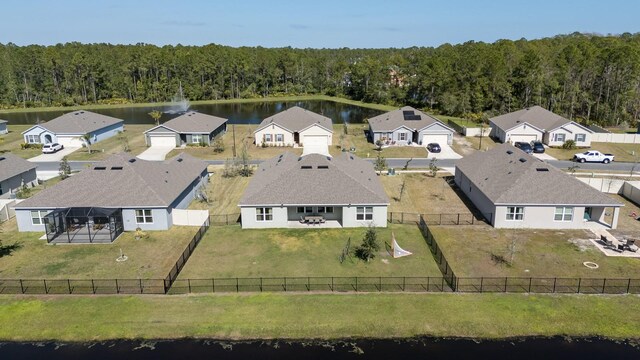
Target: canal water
{"points": [[429, 348], [237, 113]]}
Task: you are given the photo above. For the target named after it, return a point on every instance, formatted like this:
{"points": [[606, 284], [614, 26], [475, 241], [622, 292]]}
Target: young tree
{"points": [[367, 250], [218, 145], [65, 168], [402, 188], [381, 164], [406, 165], [87, 142], [245, 169], [433, 167], [125, 141], [156, 115]]}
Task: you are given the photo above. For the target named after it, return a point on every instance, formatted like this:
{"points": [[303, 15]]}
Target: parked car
{"points": [[434, 147], [524, 146], [593, 156], [538, 148], [51, 148]]}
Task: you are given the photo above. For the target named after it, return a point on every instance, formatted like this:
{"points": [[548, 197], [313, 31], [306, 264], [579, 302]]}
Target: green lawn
{"points": [[471, 252], [233, 252], [622, 152], [223, 193], [467, 145], [114, 145], [150, 258], [316, 316], [11, 142]]}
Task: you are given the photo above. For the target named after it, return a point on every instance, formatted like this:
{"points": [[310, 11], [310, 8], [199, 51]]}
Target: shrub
{"points": [[367, 250], [569, 144]]}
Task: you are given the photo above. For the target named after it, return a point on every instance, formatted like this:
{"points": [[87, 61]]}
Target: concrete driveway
{"points": [[544, 156], [55, 156], [156, 153], [446, 153]]}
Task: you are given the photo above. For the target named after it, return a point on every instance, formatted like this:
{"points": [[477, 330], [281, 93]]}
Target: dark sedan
{"points": [[538, 148], [524, 146], [434, 148]]}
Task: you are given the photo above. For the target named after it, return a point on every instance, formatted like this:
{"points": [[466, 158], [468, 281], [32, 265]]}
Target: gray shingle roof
{"points": [[406, 116], [506, 180], [291, 180], [193, 123], [3, 121], [12, 165], [79, 122], [296, 119], [537, 116], [137, 183]]}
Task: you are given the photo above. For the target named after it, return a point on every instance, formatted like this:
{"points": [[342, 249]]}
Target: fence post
{"points": [[93, 287], [237, 287], [530, 284], [213, 285], [440, 223], [46, 291], [481, 283], [604, 284], [506, 279], [189, 284], [554, 284], [404, 282], [141, 291], [308, 284], [117, 287], [260, 283], [402, 218], [379, 283], [356, 284], [628, 285], [458, 219], [69, 285], [22, 287], [285, 283], [579, 282], [332, 287]]}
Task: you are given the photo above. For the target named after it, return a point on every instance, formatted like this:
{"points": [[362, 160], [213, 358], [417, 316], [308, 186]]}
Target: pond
{"points": [[237, 113], [423, 348]]}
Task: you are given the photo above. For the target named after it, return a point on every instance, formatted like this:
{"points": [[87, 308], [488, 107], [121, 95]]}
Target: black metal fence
{"points": [[90, 286], [182, 260], [395, 217], [225, 219], [438, 256]]}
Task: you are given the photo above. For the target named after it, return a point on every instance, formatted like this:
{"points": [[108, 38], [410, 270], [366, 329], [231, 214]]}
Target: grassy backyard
{"points": [[622, 152], [233, 252], [115, 145], [476, 251], [150, 258], [223, 193], [11, 142], [423, 194], [316, 316]]}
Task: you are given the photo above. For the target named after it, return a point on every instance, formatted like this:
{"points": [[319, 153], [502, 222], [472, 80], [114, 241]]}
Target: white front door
{"points": [[162, 140]]}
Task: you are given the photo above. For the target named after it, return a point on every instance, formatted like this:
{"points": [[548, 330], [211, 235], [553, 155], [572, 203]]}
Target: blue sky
{"points": [[301, 23]]}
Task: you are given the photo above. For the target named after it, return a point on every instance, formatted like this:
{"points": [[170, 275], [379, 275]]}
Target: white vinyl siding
{"points": [[515, 213], [364, 213], [144, 216], [563, 214], [267, 137], [264, 214]]}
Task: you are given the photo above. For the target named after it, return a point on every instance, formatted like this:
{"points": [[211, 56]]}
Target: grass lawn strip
{"points": [[318, 316], [113, 145], [150, 258], [223, 193], [230, 251], [622, 152]]}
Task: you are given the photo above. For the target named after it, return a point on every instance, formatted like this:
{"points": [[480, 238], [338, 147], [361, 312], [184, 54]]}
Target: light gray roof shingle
{"points": [[297, 119], [138, 183], [193, 123], [12, 165], [3, 121], [291, 180], [506, 180], [537, 116], [412, 118], [79, 122]]}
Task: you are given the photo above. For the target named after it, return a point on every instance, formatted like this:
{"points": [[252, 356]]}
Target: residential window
{"points": [[300, 209], [279, 137], [325, 209], [267, 137], [402, 136], [33, 139], [196, 138], [560, 137], [515, 213], [37, 217], [264, 214], [563, 213], [581, 137], [364, 213], [308, 210], [143, 216]]}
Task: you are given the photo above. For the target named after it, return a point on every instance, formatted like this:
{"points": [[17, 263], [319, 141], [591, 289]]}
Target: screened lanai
{"points": [[83, 225]]}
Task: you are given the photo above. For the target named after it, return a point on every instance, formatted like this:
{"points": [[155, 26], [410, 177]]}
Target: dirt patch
{"points": [[582, 244]]}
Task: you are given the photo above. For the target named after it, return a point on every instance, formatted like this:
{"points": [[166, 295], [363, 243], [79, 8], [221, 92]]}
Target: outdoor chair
{"points": [[322, 221], [316, 221], [302, 220]]}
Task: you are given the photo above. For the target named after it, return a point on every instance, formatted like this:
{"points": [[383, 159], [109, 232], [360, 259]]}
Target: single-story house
{"points": [[3, 127], [515, 190], [538, 124], [344, 191], [121, 193], [189, 128], [296, 127], [407, 126], [69, 129], [14, 173]]}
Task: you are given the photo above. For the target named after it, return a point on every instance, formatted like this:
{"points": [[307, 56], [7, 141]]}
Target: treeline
{"points": [[585, 77]]}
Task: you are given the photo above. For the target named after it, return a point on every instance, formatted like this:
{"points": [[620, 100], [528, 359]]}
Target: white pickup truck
{"points": [[593, 156]]}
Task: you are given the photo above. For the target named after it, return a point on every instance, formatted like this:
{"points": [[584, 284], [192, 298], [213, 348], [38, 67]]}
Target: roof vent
{"points": [[509, 152], [523, 160], [542, 169], [323, 167], [300, 158], [351, 157], [306, 167], [132, 160], [116, 168], [180, 160], [2, 158], [329, 158], [99, 168]]}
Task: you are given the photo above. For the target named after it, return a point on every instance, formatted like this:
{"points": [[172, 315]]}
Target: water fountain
{"points": [[122, 257], [179, 104]]}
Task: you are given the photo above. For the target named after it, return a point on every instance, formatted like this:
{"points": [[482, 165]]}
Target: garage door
{"points": [[162, 140], [69, 141], [315, 144], [442, 139], [523, 138]]}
